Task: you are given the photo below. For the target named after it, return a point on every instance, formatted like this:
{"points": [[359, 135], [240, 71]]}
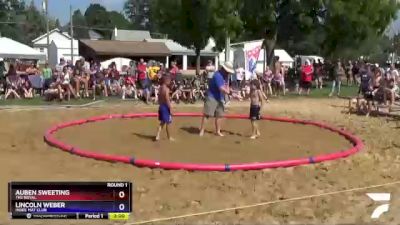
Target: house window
{"points": [[41, 49]]}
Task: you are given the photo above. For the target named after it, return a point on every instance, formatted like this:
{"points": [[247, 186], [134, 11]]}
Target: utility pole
{"points": [[227, 47], [71, 29], [46, 10]]}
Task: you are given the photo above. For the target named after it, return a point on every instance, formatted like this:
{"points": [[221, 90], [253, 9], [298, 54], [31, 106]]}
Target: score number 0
{"points": [[121, 206]]}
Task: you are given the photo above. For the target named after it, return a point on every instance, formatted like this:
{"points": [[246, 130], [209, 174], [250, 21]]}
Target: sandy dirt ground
{"points": [[162, 194]]}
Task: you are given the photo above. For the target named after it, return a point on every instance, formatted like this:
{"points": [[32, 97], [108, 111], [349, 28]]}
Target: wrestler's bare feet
{"points": [[253, 137], [171, 139], [220, 134], [201, 134], [157, 138]]}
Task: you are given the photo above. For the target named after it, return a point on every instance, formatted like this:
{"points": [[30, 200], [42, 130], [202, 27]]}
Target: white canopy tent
{"points": [[119, 62], [15, 50]]}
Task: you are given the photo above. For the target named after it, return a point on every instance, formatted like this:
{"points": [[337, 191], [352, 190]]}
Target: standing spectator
{"points": [[306, 77], [318, 74], [143, 80], [267, 79], [60, 66], [349, 68], [338, 74], [173, 71], [153, 70], [394, 73], [355, 72], [32, 70], [47, 73], [132, 69], [162, 71]]}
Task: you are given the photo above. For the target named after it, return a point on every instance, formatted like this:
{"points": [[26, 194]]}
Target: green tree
{"points": [[349, 23], [186, 22], [12, 14], [79, 25], [278, 20], [97, 17], [35, 23], [225, 21], [139, 13], [118, 20]]}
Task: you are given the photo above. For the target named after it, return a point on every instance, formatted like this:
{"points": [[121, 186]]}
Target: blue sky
{"points": [[60, 8]]}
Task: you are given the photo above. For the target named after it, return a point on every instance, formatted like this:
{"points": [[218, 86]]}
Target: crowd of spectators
{"points": [[140, 80], [88, 79]]}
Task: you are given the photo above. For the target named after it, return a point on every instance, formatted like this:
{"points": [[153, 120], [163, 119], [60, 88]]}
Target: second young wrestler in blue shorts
{"points": [[164, 110]]}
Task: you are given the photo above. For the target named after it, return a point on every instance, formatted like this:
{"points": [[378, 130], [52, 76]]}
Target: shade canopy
{"points": [[15, 50], [122, 48]]}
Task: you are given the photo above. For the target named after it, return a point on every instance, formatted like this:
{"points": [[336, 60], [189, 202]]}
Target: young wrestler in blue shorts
{"points": [[164, 110]]}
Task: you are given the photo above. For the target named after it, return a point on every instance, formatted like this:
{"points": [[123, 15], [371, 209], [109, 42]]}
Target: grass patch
{"points": [[346, 91]]}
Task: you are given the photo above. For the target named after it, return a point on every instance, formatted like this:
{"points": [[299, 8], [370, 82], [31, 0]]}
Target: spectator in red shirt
{"points": [[307, 71], [142, 73], [174, 70]]}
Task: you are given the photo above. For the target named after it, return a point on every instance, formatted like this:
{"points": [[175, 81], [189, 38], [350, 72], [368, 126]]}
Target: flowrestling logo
{"points": [[381, 198]]}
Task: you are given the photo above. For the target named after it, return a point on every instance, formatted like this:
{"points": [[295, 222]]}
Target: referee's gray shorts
{"points": [[213, 108]]}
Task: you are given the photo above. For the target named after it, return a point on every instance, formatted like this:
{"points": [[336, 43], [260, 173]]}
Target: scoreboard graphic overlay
{"points": [[70, 200]]}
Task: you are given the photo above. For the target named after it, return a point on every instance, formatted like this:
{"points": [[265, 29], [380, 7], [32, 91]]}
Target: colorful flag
{"points": [[251, 58]]}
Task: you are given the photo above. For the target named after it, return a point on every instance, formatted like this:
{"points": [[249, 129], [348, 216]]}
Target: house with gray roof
{"points": [[130, 35], [185, 57]]}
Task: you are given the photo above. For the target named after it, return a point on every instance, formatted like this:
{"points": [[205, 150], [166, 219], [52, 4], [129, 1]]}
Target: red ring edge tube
{"points": [[51, 140]]}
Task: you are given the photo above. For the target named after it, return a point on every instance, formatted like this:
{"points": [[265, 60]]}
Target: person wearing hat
{"points": [[214, 104]]}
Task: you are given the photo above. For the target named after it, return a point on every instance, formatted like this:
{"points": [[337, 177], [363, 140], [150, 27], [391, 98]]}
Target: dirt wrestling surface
{"points": [[135, 137], [160, 194]]}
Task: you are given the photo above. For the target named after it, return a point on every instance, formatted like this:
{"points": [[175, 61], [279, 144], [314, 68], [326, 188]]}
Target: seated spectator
{"points": [[115, 79], [12, 83], [27, 89], [99, 83], [66, 83], [128, 89], [53, 92], [80, 77]]}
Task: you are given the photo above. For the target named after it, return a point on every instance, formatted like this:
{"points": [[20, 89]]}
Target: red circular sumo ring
{"points": [[51, 140]]}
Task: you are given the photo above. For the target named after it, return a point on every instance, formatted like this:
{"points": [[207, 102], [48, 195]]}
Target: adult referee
{"points": [[214, 104]]}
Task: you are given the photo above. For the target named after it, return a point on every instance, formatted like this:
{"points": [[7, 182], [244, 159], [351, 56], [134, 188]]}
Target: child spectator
{"points": [[256, 103], [366, 89], [164, 110], [338, 73], [66, 83], [99, 83], [128, 89], [79, 78], [267, 79]]}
